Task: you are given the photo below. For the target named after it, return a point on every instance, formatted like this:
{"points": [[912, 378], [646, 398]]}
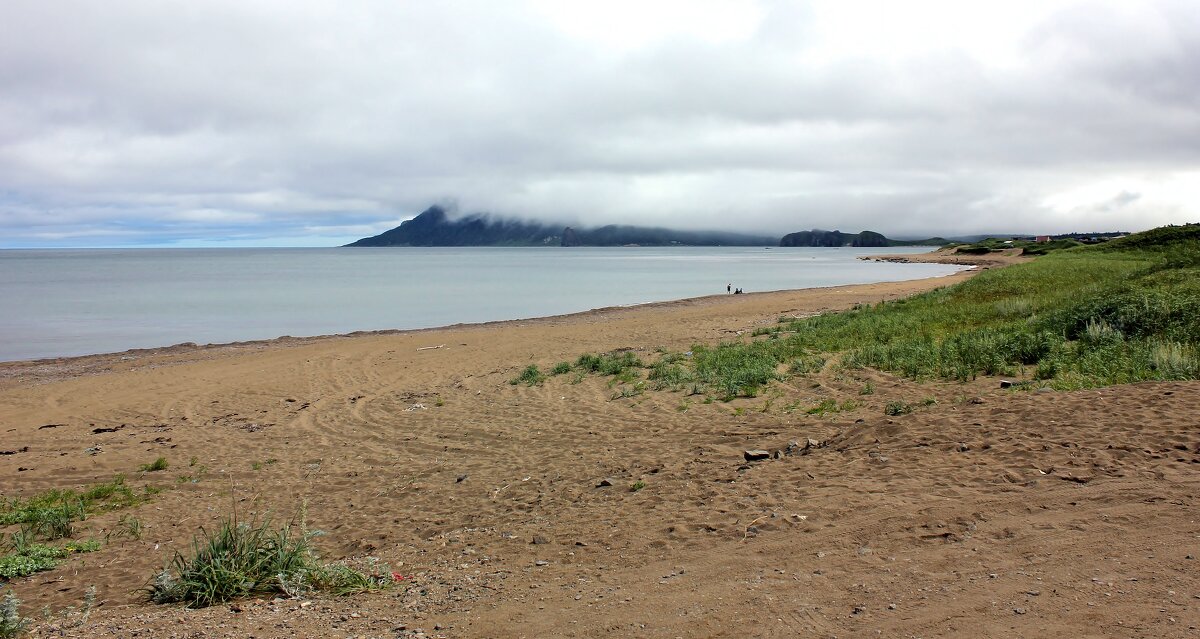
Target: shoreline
{"points": [[586, 505], [48, 369]]}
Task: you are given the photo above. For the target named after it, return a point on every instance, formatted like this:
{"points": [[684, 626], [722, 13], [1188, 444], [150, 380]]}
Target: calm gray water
{"points": [[74, 302]]}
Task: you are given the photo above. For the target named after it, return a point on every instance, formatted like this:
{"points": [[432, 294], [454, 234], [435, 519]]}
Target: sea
{"points": [[57, 303]]}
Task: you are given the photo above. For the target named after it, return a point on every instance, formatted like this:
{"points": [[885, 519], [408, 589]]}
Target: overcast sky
{"points": [[294, 122]]}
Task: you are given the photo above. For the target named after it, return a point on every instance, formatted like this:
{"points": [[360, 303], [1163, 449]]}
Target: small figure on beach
{"points": [[729, 288], [738, 292]]}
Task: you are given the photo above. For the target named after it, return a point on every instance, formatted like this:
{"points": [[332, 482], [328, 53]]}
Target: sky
{"points": [[305, 123]]}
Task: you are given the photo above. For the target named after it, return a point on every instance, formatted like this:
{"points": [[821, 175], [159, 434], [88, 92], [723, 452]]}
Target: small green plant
{"points": [[439, 402], [929, 401], [28, 558], [127, 526], [630, 391], [155, 466], [240, 559], [897, 408], [636, 486], [193, 461], [49, 515], [561, 368], [867, 389], [195, 477], [531, 376], [825, 406], [12, 624], [259, 465], [73, 617]]}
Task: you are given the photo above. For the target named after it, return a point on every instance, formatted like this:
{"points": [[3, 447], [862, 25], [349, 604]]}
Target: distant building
{"points": [[1042, 238]]}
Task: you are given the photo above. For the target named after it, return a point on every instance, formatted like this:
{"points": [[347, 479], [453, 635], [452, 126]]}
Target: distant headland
{"points": [[434, 227]]}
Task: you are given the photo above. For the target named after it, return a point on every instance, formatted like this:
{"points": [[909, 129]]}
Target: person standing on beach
{"points": [[729, 288]]}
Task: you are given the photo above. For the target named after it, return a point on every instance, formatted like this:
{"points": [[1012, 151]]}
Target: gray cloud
{"points": [[312, 122]]}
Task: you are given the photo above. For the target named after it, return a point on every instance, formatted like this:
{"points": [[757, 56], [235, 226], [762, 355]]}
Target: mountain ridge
{"points": [[435, 227]]}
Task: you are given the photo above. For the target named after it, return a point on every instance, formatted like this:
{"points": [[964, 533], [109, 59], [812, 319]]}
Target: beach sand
{"points": [[983, 513]]}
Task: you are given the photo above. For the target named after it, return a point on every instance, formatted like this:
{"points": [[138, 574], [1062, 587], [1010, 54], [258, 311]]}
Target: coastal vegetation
{"points": [[155, 466], [1080, 317], [240, 559], [50, 516], [12, 623]]}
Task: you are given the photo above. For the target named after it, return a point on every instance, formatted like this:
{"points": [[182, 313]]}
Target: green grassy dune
{"points": [[1121, 312]]}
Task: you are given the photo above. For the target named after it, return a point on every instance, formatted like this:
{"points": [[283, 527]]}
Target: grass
{"points": [[195, 477], [238, 560], [50, 514], [633, 390], [1120, 312], [1028, 247], [259, 465], [155, 466], [127, 526], [827, 406], [530, 376], [614, 363], [1124, 311]]}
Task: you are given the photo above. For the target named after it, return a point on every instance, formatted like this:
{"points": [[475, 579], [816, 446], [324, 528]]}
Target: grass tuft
{"points": [[897, 408], [155, 466], [238, 559], [531, 376]]}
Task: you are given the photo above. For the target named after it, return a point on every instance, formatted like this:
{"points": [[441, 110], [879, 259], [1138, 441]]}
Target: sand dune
{"points": [[985, 512]]}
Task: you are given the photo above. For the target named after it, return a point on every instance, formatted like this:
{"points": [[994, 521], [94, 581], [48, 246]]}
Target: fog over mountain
{"points": [[306, 122]]}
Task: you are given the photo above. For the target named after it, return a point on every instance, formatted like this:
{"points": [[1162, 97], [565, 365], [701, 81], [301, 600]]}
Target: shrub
{"points": [[561, 368], [1174, 360]]}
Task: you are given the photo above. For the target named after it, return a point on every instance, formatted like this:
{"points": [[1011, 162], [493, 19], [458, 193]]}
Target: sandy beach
{"points": [[986, 512]]}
